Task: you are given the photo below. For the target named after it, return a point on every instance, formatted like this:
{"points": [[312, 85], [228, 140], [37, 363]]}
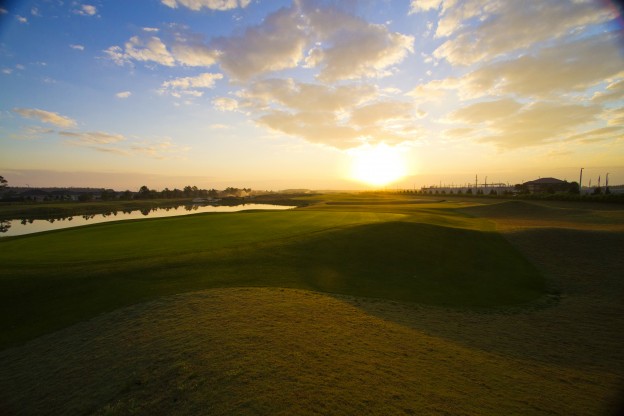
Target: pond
{"points": [[9, 228]]}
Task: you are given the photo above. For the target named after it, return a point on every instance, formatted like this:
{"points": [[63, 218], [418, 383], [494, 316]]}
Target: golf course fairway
{"points": [[354, 304]]}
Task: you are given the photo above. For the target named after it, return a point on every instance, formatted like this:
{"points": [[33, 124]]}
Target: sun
{"points": [[378, 165]]}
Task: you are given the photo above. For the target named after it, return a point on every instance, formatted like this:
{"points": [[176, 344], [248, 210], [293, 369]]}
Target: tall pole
{"points": [[581, 182]]}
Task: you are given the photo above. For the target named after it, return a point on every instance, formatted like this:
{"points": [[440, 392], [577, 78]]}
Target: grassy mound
{"points": [[414, 262], [54, 279], [279, 352], [519, 209]]}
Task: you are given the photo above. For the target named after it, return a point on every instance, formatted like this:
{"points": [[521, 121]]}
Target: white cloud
{"points": [[86, 10], [307, 33], [278, 43], [77, 47], [509, 125], [153, 49], [185, 50], [503, 26], [299, 96], [190, 85], [350, 47], [21, 19], [342, 116], [225, 104], [424, 5], [550, 71], [123, 94], [194, 55], [316, 127], [208, 4], [46, 117], [148, 50]]}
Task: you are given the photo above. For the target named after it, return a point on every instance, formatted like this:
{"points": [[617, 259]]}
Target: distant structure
{"points": [[546, 185]]}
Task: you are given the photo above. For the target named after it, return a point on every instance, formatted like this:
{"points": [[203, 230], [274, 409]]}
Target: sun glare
{"points": [[378, 165]]}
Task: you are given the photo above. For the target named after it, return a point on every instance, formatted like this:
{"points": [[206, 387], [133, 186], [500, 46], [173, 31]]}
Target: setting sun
{"points": [[378, 165]]}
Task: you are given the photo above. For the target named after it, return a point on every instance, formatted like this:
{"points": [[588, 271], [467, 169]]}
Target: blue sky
{"points": [[292, 94]]}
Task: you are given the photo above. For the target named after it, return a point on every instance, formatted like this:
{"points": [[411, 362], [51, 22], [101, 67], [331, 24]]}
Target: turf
{"points": [[282, 352], [392, 307], [54, 279]]}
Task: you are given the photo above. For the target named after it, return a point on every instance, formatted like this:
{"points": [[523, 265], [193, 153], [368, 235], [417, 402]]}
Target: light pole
{"points": [[581, 182]]}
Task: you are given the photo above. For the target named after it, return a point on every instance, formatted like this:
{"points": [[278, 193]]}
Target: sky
{"points": [[272, 94]]}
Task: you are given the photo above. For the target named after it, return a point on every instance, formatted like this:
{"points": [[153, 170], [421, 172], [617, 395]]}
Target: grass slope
{"points": [[233, 350], [279, 352], [54, 279]]}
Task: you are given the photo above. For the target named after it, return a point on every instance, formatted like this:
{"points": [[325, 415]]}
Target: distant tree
{"points": [[469, 191], [574, 188], [126, 195], [521, 188], [493, 192], [108, 195], [3, 185], [84, 197], [146, 193]]}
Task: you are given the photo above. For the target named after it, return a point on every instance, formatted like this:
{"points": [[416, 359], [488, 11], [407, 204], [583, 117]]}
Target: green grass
{"points": [[418, 308], [271, 351], [54, 279]]}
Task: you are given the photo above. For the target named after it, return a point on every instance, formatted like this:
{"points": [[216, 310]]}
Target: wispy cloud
{"points": [[225, 104], [77, 47], [502, 27], [32, 133], [86, 10], [208, 4], [190, 85], [144, 50], [306, 34], [123, 94], [96, 137], [46, 117]]}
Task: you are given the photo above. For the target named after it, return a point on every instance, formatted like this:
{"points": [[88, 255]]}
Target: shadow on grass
{"points": [[397, 260]]}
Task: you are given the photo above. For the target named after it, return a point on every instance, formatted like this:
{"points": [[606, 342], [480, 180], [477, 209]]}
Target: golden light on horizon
{"points": [[378, 165]]}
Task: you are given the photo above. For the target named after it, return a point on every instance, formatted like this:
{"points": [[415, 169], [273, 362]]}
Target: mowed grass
{"points": [[427, 308], [271, 351], [54, 279]]}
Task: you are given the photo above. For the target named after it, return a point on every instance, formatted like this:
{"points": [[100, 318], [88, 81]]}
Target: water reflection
{"points": [[20, 226]]}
